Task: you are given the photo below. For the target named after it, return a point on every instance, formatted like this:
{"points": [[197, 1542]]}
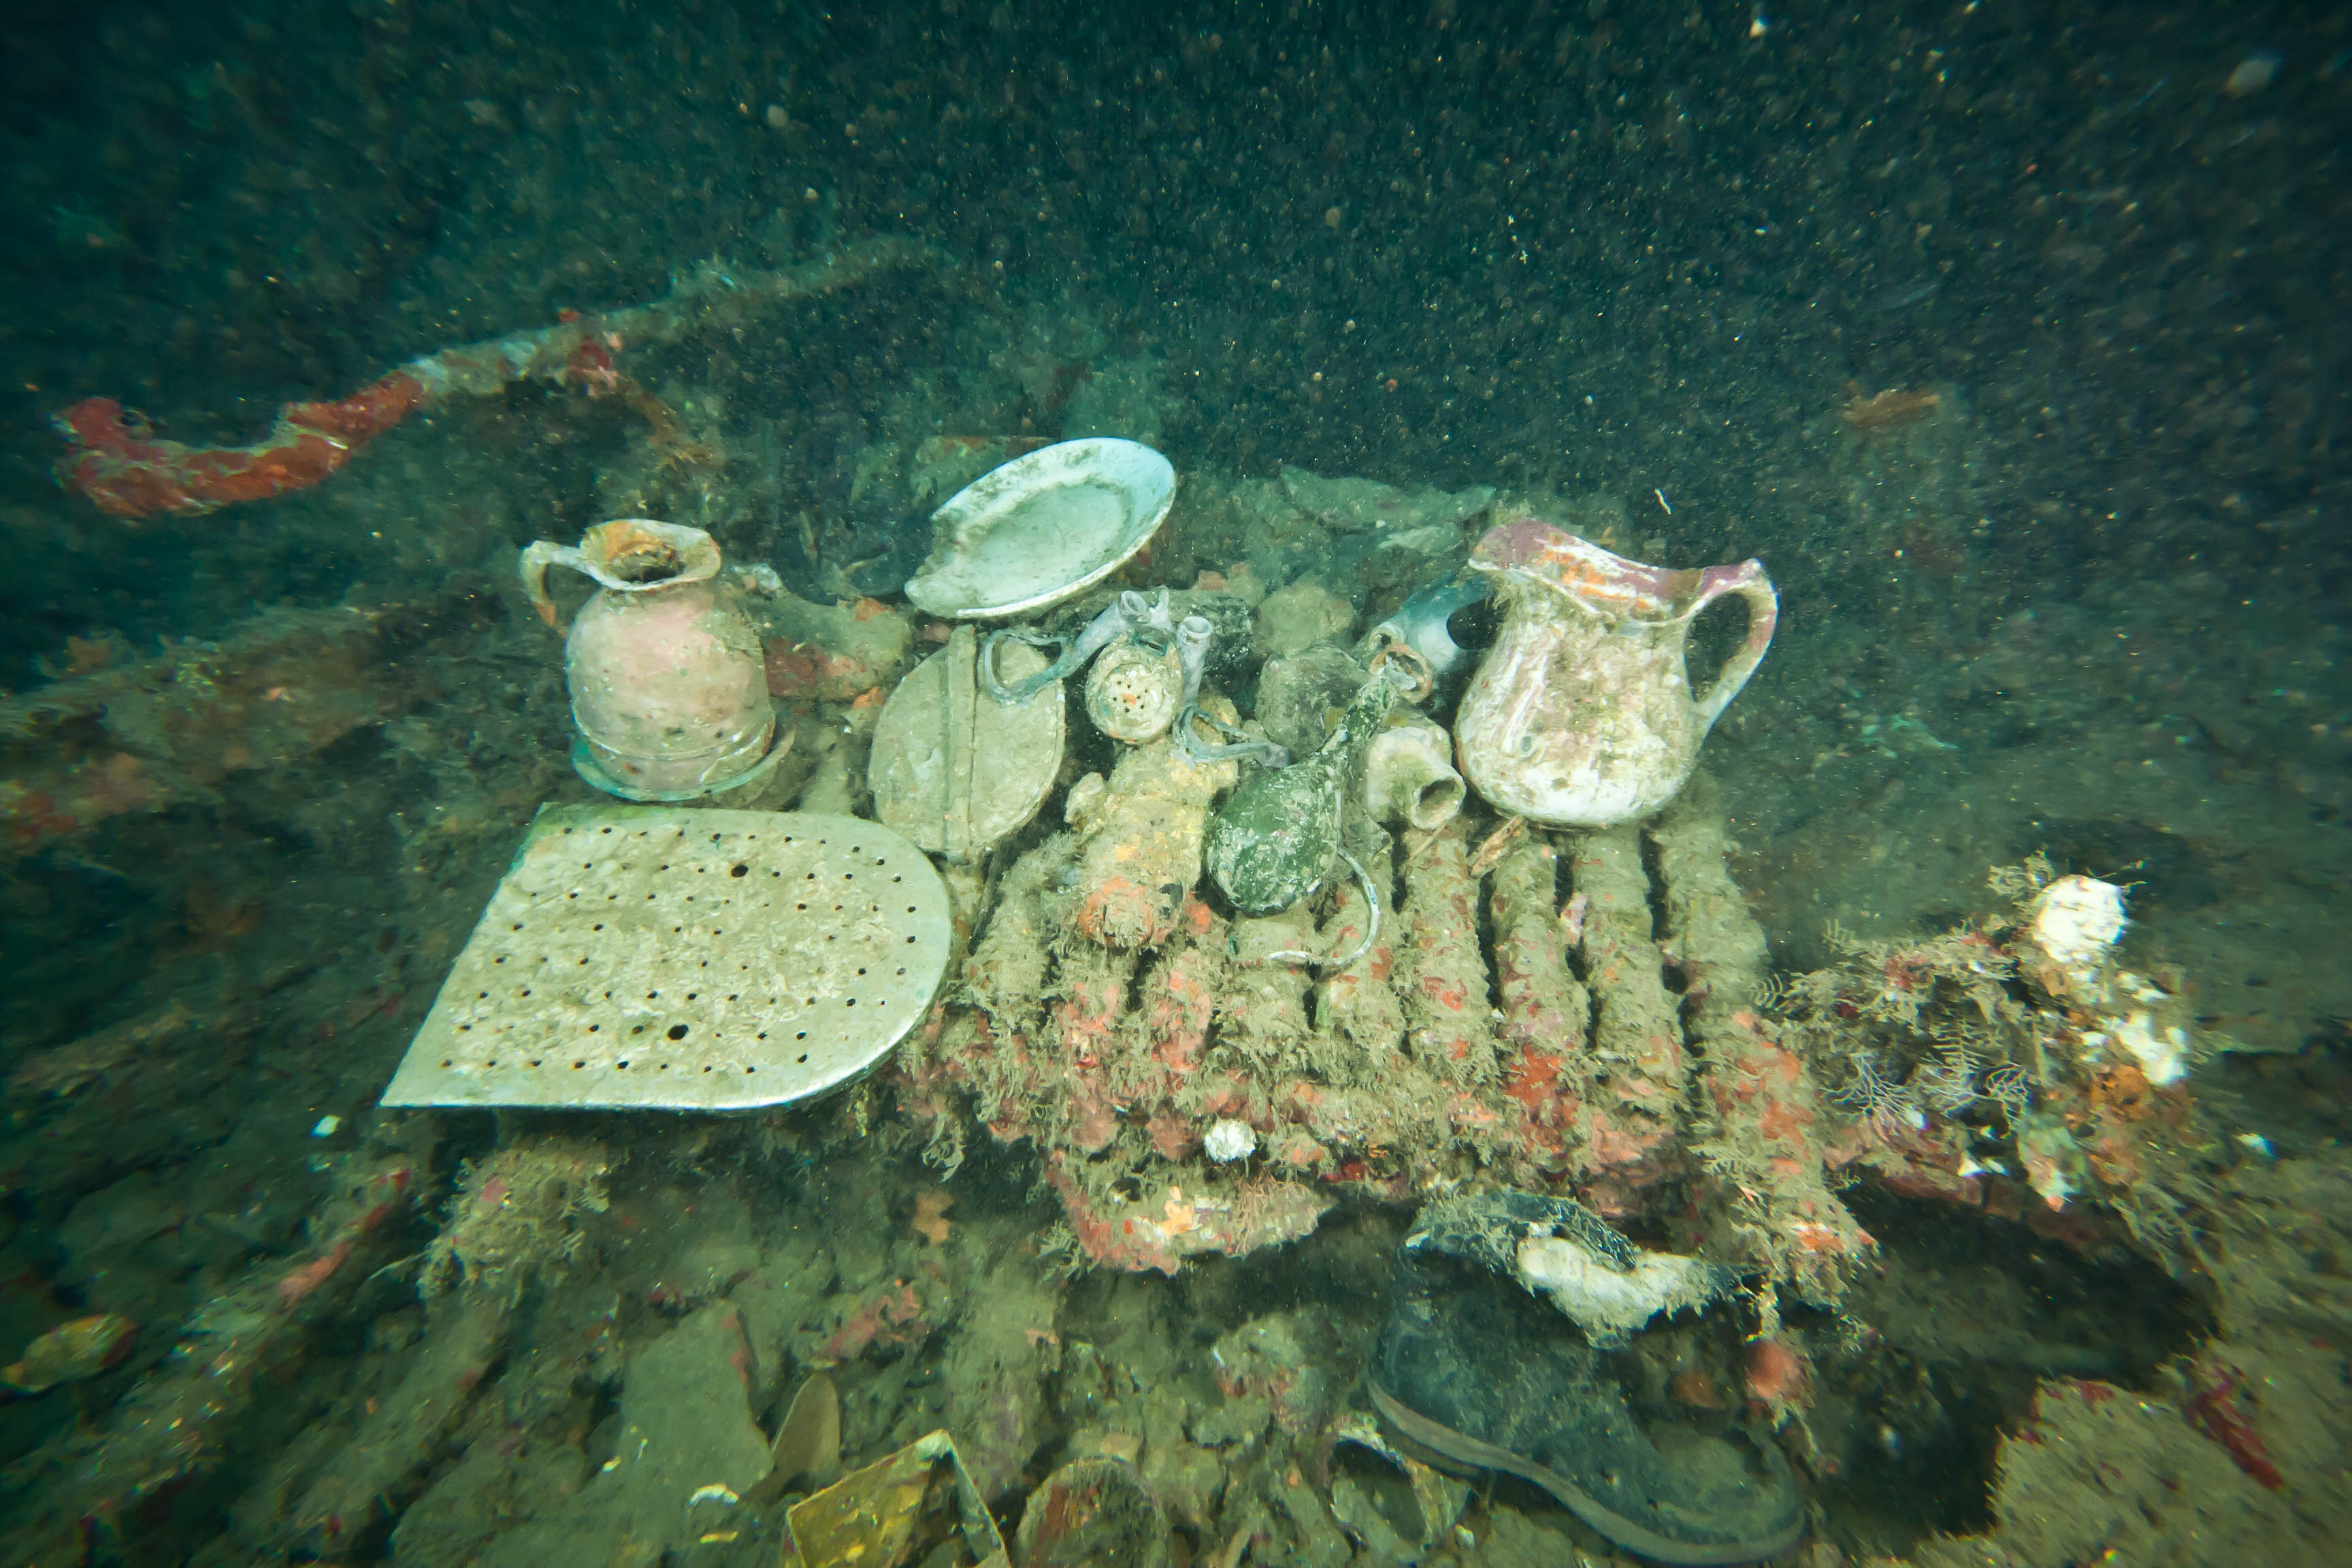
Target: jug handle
{"points": [[1747, 581], [537, 558]]}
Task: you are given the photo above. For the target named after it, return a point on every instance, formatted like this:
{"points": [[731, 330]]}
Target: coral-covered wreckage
{"points": [[1460, 1001], [1591, 1016], [1589, 1013]]}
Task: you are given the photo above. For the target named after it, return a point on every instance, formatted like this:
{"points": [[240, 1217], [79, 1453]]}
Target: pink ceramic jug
{"points": [[1581, 715], [668, 690]]}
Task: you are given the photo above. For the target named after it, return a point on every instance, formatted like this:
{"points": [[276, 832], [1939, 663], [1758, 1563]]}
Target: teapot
{"points": [[1581, 715]]}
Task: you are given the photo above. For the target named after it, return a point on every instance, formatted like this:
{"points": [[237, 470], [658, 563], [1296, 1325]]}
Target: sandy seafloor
{"points": [[1628, 259]]}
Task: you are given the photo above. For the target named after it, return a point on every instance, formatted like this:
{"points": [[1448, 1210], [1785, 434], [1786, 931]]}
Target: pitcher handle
{"points": [[536, 559], [1747, 581]]}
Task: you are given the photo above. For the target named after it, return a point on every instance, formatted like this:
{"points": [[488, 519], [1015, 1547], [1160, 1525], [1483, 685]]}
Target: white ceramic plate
{"points": [[1043, 528]]}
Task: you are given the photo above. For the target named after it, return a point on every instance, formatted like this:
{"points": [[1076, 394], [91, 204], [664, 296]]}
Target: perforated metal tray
{"points": [[658, 957]]}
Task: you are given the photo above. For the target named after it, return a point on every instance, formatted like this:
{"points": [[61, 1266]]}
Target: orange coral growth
{"points": [[1533, 1079], [2123, 1092], [301, 1281], [1782, 1120], [802, 672], [1451, 997], [1174, 1140], [121, 466], [1607, 1144], [1119, 912], [1777, 1374], [931, 1221], [1180, 1214], [1816, 1237], [1179, 1004], [632, 551], [892, 1315]]}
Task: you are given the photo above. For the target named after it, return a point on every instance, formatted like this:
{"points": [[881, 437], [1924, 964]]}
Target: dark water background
{"points": [[1642, 249], [1704, 234]]}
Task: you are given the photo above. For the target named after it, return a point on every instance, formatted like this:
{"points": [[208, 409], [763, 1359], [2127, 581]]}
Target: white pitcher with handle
{"points": [[1582, 714]]}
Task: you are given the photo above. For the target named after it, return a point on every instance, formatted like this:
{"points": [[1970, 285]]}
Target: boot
{"points": [[1478, 1375]]}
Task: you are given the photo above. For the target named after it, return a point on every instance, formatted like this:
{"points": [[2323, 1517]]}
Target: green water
{"points": [[2076, 588]]}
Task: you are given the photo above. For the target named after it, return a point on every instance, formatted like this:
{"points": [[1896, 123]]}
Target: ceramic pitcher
{"points": [[1582, 714], [668, 690]]}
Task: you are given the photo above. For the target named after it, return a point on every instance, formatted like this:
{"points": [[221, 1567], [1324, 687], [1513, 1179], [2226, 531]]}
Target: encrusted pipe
{"points": [[143, 733], [1760, 1127], [1633, 1084], [1357, 1000], [183, 1418], [1447, 1013], [117, 462], [1265, 1013], [1547, 1012], [1006, 973], [1091, 1044], [404, 1431], [1142, 844], [1179, 1002], [995, 1046]]}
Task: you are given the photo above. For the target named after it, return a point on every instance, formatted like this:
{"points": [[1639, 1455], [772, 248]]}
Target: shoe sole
{"points": [[1446, 1448]]}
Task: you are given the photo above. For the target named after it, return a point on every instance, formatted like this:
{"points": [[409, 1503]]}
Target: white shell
{"points": [[1043, 528], [2162, 1054], [2077, 918], [1132, 692], [1608, 1300], [1228, 1141]]}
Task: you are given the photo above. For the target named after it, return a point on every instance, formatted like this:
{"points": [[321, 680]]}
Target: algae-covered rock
{"points": [[1188, 1479], [493, 1487], [1299, 616], [685, 1427], [1350, 504], [1094, 1510], [998, 1366]]}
